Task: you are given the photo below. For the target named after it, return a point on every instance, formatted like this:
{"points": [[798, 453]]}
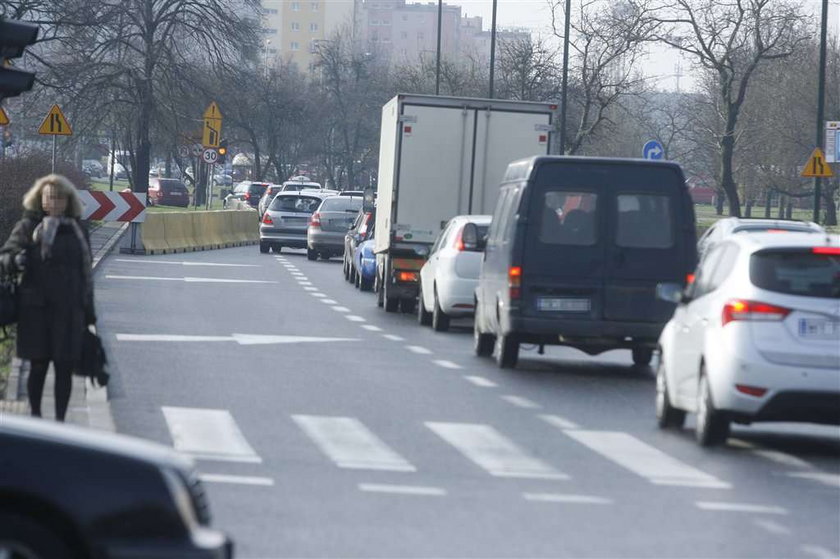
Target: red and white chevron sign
{"points": [[113, 206]]}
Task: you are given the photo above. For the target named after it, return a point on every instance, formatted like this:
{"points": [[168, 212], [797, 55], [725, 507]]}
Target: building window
{"points": [[315, 6], [269, 31], [269, 11], [295, 6], [374, 22], [295, 45], [295, 26], [313, 27]]}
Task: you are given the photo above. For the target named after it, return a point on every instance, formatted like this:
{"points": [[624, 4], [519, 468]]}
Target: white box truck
{"points": [[440, 157]]}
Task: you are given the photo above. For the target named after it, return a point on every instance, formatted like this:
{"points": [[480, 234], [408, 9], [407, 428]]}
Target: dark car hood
{"points": [[93, 440]]}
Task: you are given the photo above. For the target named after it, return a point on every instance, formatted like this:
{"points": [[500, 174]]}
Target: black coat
{"points": [[55, 303]]}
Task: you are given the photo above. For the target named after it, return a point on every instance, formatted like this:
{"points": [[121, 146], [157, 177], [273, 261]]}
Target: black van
{"points": [[574, 253]]}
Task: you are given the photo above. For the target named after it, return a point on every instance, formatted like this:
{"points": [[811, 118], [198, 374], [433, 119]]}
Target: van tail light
{"points": [[267, 219], [315, 220], [515, 282], [739, 309], [689, 279], [835, 251]]}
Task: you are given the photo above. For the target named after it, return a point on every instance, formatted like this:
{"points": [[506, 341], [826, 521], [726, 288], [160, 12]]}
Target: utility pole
{"points": [[821, 107], [493, 50], [439, 32], [565, 87]]}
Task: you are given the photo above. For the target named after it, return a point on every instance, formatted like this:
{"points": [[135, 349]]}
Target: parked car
{"points": [[267, 197], [360, 231], [93, 168], [286, 220], [247, 191], [721, 229], [449, 277], [72, 492], [755, 337], [575, 250], [329, 224], [168, 192]]}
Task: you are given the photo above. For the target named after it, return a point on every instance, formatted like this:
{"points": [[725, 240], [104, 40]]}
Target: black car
{"points": [[574, 253], [69, 492]]}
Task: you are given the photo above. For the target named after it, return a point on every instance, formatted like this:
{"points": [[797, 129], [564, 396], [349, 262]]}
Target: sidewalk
{"points": [[88, 405]]}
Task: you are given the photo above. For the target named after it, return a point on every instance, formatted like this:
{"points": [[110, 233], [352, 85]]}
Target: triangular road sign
{"points": [[212, 111], [55, 124], [4, 118], [817, 166]]}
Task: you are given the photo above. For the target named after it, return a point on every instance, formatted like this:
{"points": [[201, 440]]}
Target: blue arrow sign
{"points": [[653, 150]]}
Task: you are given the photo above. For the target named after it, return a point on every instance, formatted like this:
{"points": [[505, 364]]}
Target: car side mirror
{"points": [[470, 237], [670, 292]]}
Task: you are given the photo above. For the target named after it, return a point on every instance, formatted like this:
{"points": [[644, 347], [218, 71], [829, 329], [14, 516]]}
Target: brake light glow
{"points": [[689, 279], [739, 309], [267, 219], [407, 276], [835, 251], [756, 391], [315, 220], [515, 282], [247, 195], [459, 242]]}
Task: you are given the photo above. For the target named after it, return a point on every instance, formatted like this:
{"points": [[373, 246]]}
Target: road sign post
{"points": [[55, 124], [653, 150]]}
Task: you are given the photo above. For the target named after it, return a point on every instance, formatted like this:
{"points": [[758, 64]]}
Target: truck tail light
{"points": [[407, 276], [515, 282], [267, 219], [739, 309], [315, 220], [835, 251]]}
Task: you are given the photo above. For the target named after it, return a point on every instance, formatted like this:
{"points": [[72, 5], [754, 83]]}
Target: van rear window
{"points": [[644, 221], [568, 218], [796, 272]]}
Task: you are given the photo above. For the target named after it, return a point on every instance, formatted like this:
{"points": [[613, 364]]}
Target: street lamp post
{"points": [[493, 49], [439, 32], [821, 106], [565, 87]]}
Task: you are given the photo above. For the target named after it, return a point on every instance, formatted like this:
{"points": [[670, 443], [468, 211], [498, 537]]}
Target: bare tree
{"points": [[527, 70]]}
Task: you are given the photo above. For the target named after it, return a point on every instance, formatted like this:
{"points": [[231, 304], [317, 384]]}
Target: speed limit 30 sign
{"points": [[210, 156]]}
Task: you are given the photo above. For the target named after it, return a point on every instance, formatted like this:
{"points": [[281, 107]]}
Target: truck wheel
{"points": [[482, 343], [264, 247], [440, 322], [424, 317], [712, 425], [391, 303], [507, 351], [380, 291], [311, 254], [21, 537], [667, 416], [642, 356]]}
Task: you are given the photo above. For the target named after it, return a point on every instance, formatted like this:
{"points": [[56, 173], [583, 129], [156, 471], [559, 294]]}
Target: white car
{"points": [[755, 337], [450, 275], [733, 225]]}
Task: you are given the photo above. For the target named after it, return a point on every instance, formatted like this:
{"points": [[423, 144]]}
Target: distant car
{"points": [[168, 192], [359, 193], [296, 184], [247, 191], [360, 231], [267, 197], [721, 229], [755, 337], [93, 168], [329, 224], [72, 492], [450, 275], [285, 222], [364, 265]]}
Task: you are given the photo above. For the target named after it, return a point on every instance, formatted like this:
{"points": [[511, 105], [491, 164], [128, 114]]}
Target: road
{"points": [[325, 427]]}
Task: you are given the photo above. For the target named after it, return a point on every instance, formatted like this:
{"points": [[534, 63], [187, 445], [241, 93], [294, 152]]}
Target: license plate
{"points": [[819, 328], [563, 304]]}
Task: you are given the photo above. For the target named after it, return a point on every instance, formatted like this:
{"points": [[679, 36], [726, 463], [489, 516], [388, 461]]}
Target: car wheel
{"points": [[346, 272], [311, 254], [325, 256], [424, 317], [352, 278], [482, 343], [407, 306], [507, 351], [440, 322], [264, 247], [365, 284], [642, 356], [712, 425], [667, 416], [23, 538], [358, 283]]}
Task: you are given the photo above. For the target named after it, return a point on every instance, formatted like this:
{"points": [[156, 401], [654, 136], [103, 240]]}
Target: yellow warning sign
{"points": [[211, 134], [55, 124], [212, 111], [4, 118], [817, 166]]}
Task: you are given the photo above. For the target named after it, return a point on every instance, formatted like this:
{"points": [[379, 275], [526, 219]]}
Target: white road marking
{"points": [[371, 328], [241, 339], [182, 263], [418, 349], [208, 434], [310, 289], [563, 498], [520, 402], [831, 480], [402, 489], [739, 507], [818, 551], [493, 452], [782, 458], [239, 480], [354, 318], [393, 338], [772, 526], [481, 381], [644, 460], [318, 294], [447, 364], [304, 283], [187, 280], [329, 301], [341, 309], [350, 444], [559, 422]]}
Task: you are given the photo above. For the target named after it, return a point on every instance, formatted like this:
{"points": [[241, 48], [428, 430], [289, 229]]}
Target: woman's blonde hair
{"points": [[32, 199]]}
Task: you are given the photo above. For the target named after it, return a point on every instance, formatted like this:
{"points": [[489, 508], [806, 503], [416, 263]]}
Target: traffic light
{"points": [[14, 38], [222, 151]]}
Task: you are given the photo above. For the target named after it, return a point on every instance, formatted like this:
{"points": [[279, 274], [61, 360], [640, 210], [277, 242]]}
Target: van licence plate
{"points": [[563, 304], [819, 329]]}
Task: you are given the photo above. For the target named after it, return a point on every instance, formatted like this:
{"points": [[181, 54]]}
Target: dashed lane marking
{"points": [[447, 364], [371, 328], [310, 289], [329, 301], [354, 318], [183, 263], [481, 381], [818, 551], [418, 349], [719, 506], [319, 295], [520, 402], [238, 480], [568, 499], [186, 280], [559, 422], [393, 337], [402, 489], [340, 309], [772, 527]]}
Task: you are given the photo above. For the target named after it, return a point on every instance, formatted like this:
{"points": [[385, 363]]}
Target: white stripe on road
{"points": [[782, 458], [481, 381], [831, 480], [447, 364], [402, 489], [418, 349], [371, 328], [818, 551], [241, 339], [207, 433], [171, 338], [239, 480], [493, 452], [772, 526], [329, 301], [182, 263], [393, 338], [187, 280], [341, 309], [354, 318], [644, 460], [318, 294], [563, 498], [304, 283], [559, 422], [739, 507], [310, 289], [350, 444], [520, 402]]}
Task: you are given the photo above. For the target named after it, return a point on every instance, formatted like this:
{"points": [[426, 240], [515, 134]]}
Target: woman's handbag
{"points": [[93, 363], [8, 304]]}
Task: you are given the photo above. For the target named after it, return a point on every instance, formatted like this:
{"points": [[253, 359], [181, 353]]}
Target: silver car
{"points": [[285, 221], [329, 225], [723, 228]]}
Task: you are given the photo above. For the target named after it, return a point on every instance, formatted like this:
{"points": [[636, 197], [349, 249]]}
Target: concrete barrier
{"points": [[165, 233], [153, 234]]}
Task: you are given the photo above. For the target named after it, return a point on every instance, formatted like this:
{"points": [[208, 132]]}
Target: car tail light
{"points": [[315, 220], [739, 309], [407, 276], [835, 251], [247, 195], [756, 391], [689, 279], [515, 282], [267, 219], [459, 242]]}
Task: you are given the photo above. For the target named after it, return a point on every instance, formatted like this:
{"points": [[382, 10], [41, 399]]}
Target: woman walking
{"points": [[50, 250]]}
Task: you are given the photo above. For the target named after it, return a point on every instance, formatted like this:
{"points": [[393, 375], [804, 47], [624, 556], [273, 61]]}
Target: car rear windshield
{"points": [[568, 218], [172, 186], [797, 272], [300, 204], [341, 204], [258, 189], [644, 221], [776, 227]]}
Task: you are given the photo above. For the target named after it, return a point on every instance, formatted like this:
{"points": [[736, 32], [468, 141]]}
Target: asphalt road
{"points": [[325, 427]]}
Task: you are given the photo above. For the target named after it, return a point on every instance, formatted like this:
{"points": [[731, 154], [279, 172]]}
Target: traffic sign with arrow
{"points": [[653, 150], [817, 166], [113, 206], [55, 124], [212, 131]]}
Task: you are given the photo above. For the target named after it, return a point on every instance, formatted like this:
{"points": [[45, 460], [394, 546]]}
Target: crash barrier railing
{"points": [[169, 232]]}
